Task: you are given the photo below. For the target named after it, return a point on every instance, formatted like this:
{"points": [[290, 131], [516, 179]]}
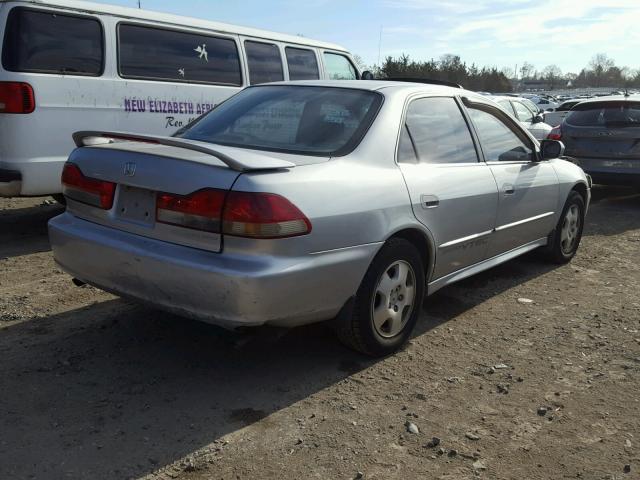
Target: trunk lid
{"points": [[142, 170]]}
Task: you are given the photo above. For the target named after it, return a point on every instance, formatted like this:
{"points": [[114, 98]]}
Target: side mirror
{"points": [[550, 149], [538, 118], [366, 75]]}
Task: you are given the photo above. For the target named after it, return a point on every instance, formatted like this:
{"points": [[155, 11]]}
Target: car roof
{"points": [[176, 20], [611, 98], [374, 85]]}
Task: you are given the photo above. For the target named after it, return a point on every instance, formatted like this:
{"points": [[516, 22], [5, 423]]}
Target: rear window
{"points": [[605, 114], [265, 63], [292, 119], [169, 55], [47, 42], [302, 64]]}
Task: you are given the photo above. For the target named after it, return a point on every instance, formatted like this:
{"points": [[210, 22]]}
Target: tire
{"points": [[58, 197], [393, 287], [565, 239]]}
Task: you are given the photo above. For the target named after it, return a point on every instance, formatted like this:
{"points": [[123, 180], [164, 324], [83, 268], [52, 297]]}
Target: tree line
{"points": [[600, 72]]}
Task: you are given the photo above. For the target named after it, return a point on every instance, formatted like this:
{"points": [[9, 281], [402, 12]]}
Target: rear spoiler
{"points": [[249, 160]]}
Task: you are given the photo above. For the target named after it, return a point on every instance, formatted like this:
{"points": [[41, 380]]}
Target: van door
{"points": [[452, 193], [528, 190]]}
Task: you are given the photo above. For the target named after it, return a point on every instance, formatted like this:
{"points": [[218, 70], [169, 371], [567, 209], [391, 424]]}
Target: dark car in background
{"points": [[603, 135]]}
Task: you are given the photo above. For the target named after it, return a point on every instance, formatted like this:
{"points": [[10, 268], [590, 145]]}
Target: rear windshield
{"points": [[293, 119], [49, 42], [605, 114]]}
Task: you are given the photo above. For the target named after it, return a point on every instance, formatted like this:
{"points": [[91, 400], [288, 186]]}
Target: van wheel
{"points": [[58, 197], [565, 239], [387, 304]]}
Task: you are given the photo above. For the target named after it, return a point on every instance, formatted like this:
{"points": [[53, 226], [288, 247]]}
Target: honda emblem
{"points": [[129, 169]]}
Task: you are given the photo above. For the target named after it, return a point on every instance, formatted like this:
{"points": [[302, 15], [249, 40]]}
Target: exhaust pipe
{"points": [[78, 283]]}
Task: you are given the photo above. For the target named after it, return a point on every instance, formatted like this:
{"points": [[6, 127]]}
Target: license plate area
{"points": [[136, 205]]}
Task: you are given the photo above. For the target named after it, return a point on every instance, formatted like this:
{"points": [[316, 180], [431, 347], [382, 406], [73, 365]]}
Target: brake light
{"points": [[242, 214], [76, 186], [16, 97], [263, 215], [200, 210], [555, 133]]}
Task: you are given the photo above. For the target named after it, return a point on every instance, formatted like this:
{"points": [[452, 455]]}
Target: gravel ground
{"points": [[546, 388]]}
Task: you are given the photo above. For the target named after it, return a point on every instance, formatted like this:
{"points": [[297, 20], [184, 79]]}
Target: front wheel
{"points": [[388, 302], [565, 239]]}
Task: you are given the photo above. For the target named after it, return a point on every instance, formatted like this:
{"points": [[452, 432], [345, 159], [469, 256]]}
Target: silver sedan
{"points": [[299, 202]]}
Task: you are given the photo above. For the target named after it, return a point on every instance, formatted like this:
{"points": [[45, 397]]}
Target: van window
{"points": [[265, 62], [169, 55], [339, 67], [49, 42], [302, 64]]}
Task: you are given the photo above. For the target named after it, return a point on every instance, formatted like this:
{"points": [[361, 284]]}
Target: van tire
{"points": [[356, 327]]}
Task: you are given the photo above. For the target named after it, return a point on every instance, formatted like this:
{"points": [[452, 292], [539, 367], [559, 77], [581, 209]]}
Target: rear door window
{"points": [[169, 55], [265, 62], [339, 67], [49, 42], [302, 63], [439, 131]]}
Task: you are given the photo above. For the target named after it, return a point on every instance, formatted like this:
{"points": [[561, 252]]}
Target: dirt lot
{"points": [[98, 388]]}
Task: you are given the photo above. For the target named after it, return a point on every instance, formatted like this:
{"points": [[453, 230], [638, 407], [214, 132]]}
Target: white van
{"points": [[71, 65]]}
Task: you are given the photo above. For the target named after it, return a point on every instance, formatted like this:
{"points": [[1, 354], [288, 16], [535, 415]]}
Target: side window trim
{"points": [[509, 122], [465, 116], [55, 11], [244, 74]]}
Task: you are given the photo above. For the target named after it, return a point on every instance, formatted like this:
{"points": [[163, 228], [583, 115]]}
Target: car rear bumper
{"points": [[612, 171], [227, 289], [38, 176]]}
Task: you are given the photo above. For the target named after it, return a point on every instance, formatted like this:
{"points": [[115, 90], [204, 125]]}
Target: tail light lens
{"points": [[16, 97], [242, 214], [76, 186], [555, 134], [263, 215], [200, 210]]}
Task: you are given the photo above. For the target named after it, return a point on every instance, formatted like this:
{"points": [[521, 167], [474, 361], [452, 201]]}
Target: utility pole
{"points": [[379, 46], [139, 4]]}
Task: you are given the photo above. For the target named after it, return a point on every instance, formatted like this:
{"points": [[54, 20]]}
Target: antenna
{"points": [[139, 4], [379, 45]]}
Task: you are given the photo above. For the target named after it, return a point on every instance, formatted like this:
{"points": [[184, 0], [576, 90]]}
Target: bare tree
{"points": [[552, 74], [600, 64], [527, 70]]}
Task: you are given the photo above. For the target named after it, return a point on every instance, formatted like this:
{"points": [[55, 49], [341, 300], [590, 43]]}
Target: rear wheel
{"points": [[387, 304], [566, 237]]}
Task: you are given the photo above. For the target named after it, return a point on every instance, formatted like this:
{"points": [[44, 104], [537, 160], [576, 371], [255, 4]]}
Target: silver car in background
{"points": [[603, 135], [527, 113], [299, 202]]}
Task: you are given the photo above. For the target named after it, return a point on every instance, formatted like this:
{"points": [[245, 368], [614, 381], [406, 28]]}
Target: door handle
{"points": [[429, 201], [508, 189]]}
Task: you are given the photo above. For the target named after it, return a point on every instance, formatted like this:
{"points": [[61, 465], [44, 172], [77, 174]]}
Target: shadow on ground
{"points": [[24, 230], [115, 390]]}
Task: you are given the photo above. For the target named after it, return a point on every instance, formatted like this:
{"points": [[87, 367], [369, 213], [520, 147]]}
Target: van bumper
{"points": [[10, 182], [228, 289]]}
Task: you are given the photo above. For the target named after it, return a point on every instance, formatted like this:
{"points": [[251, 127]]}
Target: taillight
{"points": [[200, 210], [262, 215], [16, 97], [76, 186], [555, 134], [242, 214]]}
